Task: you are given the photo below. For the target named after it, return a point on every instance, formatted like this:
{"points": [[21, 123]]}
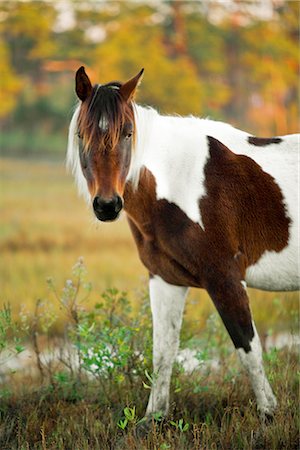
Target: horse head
{"points": [[106, 131]]}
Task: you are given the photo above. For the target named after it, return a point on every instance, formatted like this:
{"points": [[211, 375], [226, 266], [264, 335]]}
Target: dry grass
{"points": [[223, 416]]}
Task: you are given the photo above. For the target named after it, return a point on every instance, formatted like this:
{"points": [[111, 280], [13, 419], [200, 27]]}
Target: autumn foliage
{"points": [[226, 60]]}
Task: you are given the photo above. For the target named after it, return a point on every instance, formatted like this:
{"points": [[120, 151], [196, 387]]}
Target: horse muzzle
{"points": [[107, 210]]}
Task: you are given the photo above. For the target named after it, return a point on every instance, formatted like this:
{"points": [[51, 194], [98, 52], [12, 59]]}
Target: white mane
{"points": [[144, 120], [73, 161]]}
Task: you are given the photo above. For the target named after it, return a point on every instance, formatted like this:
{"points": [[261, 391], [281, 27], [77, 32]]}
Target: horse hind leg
{"points": [[231, 300], [253, 363]]}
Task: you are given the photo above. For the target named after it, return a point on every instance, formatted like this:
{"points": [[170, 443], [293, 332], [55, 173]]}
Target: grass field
{"points": [[45, 227]]}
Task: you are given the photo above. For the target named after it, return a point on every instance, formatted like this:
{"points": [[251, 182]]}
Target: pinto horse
{"points": [[209, 206]]}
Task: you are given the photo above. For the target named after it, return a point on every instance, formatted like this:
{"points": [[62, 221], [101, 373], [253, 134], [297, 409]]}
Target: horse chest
{"points": [[169, 244], [163, 259]]}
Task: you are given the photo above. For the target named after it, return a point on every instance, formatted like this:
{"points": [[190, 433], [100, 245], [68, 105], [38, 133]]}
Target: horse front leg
{"points": [[231, 300], [167, 305]]}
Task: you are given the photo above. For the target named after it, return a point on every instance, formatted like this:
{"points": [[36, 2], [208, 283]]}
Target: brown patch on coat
{"points": [[262, 142], [243, 215], [244, 206]]}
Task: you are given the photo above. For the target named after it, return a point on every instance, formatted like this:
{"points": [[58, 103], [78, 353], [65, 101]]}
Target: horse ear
{"points": [[83, 85], [128, 89]]}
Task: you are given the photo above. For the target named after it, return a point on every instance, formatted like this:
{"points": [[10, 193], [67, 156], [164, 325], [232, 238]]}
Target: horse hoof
{"points": [[266, 416]]}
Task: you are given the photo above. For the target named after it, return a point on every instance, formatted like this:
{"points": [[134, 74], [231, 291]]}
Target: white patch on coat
{"points": [[280, 270], [167, 305], [253, 363]]}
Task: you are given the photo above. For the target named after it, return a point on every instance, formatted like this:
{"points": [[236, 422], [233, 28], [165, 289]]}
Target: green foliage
{"points": [[151, 380], [112, 344]]}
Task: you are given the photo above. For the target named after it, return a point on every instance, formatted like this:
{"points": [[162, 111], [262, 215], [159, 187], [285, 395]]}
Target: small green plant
{"points": [[272, 356], [158, 416], [180, 425], [122, 423], [130, 418], [111, 344], [10, 335], [151, 379]]}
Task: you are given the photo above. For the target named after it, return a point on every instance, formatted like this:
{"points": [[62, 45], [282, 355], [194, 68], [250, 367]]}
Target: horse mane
{"points": [[73, 159], [107, 107]]}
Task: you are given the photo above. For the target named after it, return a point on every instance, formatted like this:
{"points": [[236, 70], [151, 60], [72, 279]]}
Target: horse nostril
{"points": [[113, 205], [97, 203], [118, 203]]}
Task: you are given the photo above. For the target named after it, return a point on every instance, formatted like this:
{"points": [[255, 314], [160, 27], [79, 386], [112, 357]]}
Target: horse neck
{"points": [[162, 141]]}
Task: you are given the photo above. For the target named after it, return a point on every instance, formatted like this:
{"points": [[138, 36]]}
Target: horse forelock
{"points": [[101, 119]]}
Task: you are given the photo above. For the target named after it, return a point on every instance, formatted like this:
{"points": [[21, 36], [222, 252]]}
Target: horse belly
{"points": [[275, 271], [279, 271]]}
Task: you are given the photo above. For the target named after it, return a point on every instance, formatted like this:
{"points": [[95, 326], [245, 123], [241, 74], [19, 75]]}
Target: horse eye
{"points": [[128, 135], [83, 160], [82, 155]]}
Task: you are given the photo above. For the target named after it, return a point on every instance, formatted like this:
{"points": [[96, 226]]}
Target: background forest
{"points": [[234, 60]]}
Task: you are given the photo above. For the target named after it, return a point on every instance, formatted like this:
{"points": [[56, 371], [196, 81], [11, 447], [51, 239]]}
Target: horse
{"points": [[209, 206]]}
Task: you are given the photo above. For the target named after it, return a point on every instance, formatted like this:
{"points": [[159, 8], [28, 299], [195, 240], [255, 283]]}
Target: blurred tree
{"points": [[10, 83], [28, 32], [136, 41], [207, 48], [270, 64]]}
